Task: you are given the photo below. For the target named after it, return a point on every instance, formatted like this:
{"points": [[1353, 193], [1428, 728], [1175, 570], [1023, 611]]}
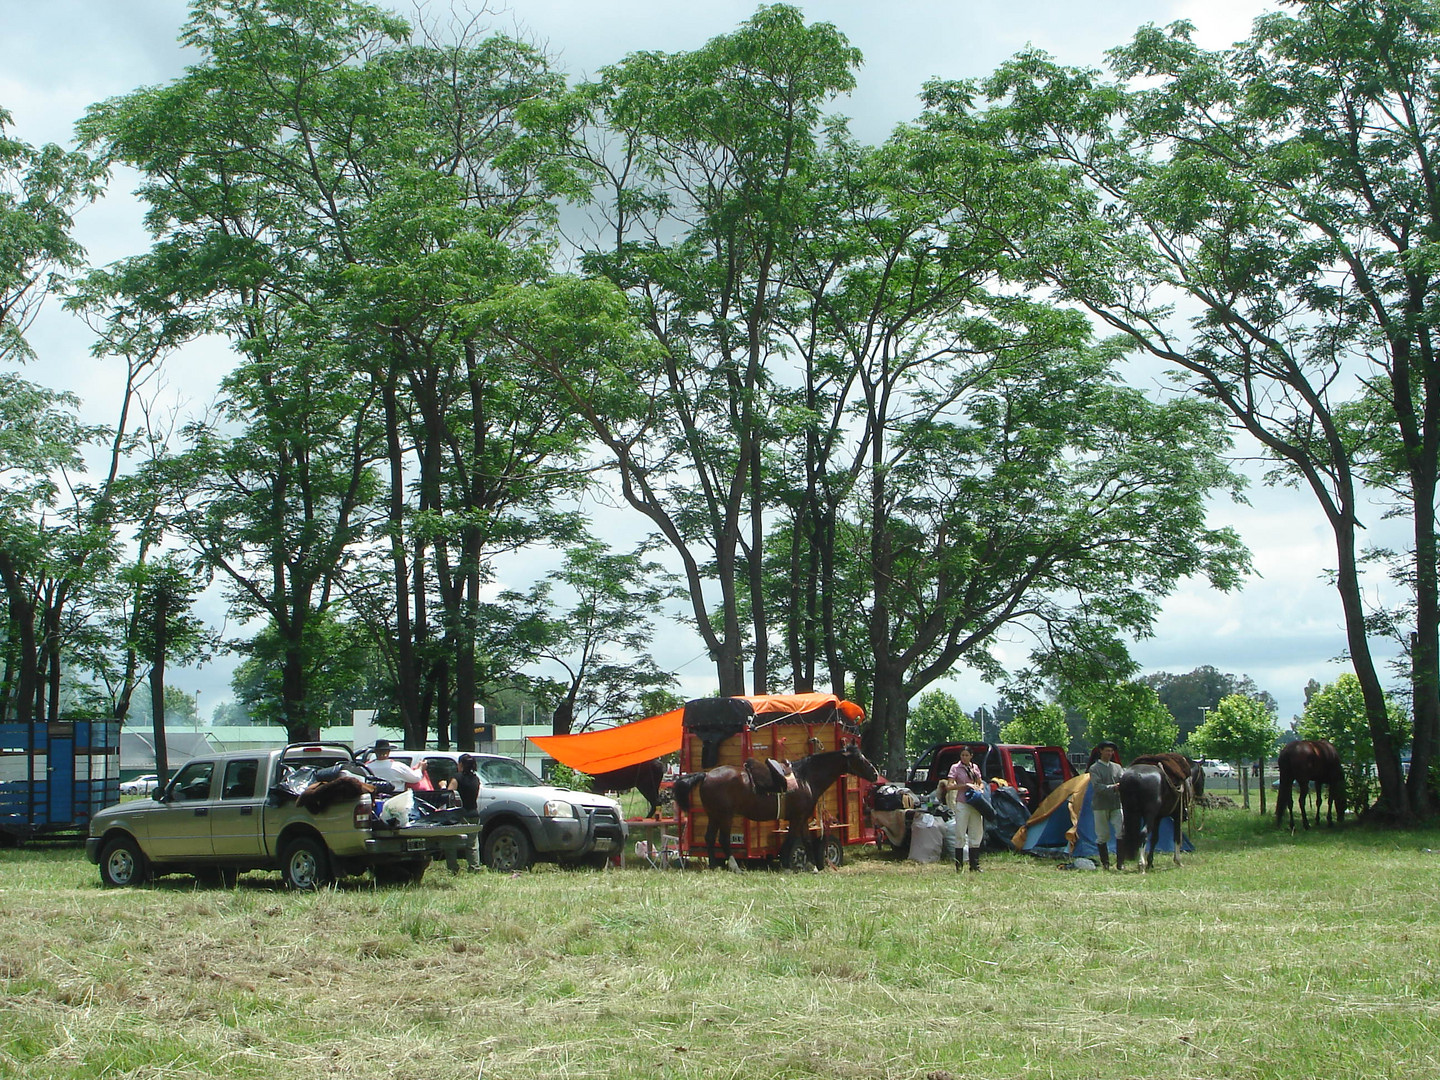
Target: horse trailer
{"points": [[723, 731], [55, 775]]}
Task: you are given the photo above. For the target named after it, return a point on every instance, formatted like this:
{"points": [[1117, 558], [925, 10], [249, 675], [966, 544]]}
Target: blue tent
{"points": [[1063, 826]]}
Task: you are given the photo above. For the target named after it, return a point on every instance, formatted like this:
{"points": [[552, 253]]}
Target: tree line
{"points": [[854, 391]]}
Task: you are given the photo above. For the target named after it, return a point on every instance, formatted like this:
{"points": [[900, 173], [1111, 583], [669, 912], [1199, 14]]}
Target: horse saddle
{"points": [[769, 777]]}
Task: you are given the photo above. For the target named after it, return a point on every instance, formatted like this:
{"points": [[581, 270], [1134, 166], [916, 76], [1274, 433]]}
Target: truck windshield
{"points": [[506, 772]]}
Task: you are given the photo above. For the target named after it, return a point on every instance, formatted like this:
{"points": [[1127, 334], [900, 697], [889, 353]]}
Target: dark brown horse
{"points": [[726, 791], [644, 777], [1310, 761], [1150, 792]]}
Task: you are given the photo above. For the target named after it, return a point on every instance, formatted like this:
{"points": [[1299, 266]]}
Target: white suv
{"points": [[523, 819], [1217, 769]]}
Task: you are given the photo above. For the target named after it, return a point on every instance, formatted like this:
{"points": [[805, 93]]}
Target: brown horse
{"points": [[1311, 761], [1148, 793], [726, 791], [644, 777]]}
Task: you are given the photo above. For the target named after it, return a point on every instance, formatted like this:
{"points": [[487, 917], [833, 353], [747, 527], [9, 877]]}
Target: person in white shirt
{"points": [[385, 767]]}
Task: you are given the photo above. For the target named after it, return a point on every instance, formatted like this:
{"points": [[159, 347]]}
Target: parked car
{"points": [[1220, 769], [140, 785], [523, 819]]}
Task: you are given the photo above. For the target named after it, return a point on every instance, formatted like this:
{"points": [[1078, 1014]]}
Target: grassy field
{"points": [[1263, 956]]}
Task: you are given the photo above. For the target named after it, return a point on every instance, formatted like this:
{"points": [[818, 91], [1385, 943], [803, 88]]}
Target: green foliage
{"points": [[1189, 696], [1238, 729], [938, 718], [1272, 191], [564, 776], [1337, 712], [40, 188], [1040, 724], [1131, 716]]}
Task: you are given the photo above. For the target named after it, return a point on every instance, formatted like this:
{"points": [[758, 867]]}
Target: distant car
{"points": [[1220, 769], [141, 785]]}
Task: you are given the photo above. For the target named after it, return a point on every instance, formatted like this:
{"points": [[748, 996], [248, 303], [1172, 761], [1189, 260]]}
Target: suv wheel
{"points": [[508, 849]]}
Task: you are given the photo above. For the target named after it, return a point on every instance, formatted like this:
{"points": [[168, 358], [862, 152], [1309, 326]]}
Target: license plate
{"points": [[416, 845], [604, 843]]}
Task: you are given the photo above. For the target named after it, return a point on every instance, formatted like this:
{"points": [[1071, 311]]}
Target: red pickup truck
{"points": [[1033, 771]]}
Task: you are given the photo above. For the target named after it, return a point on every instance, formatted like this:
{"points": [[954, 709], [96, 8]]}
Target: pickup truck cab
{"points": [[218, 816], [524, 820], [1033, 771]]}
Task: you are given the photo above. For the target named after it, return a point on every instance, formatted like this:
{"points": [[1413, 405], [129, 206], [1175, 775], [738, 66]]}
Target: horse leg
{"points": [[1179, 818], [1304, 795], [729, 861]]}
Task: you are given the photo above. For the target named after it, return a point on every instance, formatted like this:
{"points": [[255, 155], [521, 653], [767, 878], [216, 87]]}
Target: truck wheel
{"points": [[507, 849], [122, 863], [305, 864]]}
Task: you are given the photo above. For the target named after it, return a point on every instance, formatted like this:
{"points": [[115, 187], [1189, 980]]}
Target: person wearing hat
{"points": [[386, 768], [1105, 797]]}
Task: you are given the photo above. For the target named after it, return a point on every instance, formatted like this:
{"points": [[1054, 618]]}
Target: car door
{"points": [[235, 817], [180, 826]]}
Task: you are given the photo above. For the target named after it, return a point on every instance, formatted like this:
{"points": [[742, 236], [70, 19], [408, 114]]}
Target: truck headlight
{"points": [[560, 808]]}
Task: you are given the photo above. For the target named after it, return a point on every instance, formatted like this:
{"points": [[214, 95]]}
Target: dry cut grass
{"points": [[1263, 956]]}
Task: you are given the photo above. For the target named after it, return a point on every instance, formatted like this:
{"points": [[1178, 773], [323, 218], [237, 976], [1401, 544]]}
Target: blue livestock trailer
{"points": [[54, 775]]}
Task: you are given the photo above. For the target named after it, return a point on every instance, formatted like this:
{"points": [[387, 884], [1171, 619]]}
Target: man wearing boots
{"points": [[969, 825], [1105, 798]]}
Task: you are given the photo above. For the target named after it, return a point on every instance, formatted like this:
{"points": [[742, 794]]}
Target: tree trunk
{"points": [[22, 623], [1387, 756], [157, 688], [1425, 648]]}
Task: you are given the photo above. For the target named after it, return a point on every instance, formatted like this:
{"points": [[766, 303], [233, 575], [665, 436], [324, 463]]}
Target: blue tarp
{"points": [[1067, 810]]}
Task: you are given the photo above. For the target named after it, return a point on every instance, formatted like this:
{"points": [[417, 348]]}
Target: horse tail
{"points": [[683, 786]]}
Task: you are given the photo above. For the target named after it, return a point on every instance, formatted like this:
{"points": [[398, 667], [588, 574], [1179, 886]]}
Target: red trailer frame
{"points": [[842, 816]]}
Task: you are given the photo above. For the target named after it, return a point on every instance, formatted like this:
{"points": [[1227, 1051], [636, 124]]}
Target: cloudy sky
{"points": [[59, 56]]}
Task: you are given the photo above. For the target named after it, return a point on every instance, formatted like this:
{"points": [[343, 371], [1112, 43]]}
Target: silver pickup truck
{"points": [[222, 814]]}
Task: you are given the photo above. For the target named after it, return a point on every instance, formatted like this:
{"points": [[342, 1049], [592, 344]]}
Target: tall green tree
{"points": [[1239, 729], [598, 632], [50, 540], [1129, 715], [1190, 696], [336, 197], [702, 161], [1337, 712], [938, 718], [1040, 724], [1284, 188]]}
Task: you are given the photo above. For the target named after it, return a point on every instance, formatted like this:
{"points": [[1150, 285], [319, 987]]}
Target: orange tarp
{"points": [[594, 752]]}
